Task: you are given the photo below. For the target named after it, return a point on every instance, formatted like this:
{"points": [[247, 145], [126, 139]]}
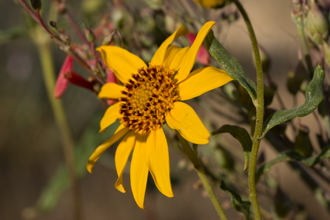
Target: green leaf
{"points": [[241, 135], [238, 203], [229, 64], [314, 96], [60, 181], [294, 156]]}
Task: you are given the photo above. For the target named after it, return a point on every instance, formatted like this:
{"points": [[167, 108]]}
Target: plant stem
{"points": [[46, 59], [259, 114], [210, 192], [199, 167]]}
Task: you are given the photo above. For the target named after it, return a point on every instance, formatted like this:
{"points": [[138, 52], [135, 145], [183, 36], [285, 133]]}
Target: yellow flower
{"points": [[148, 97], [210, 3]]}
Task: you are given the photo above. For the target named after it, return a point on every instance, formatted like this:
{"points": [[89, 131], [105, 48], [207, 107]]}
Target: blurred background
{"points": [[33, 180]]}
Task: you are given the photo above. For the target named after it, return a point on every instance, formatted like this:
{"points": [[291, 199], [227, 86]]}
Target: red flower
{"points": [[62, 82], [203, 56], [67, 75]]}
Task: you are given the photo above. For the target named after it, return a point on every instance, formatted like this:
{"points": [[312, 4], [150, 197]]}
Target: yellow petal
{"points": [[174, 56], [123, 151], [159, 161], [110, 116], [139, 170], [190, 57], [121, 61], [121, 131], [202, 80], [111, 91], [159, 55], [185, 120]]}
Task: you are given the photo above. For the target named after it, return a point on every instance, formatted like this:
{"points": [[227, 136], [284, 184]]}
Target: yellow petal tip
{"points": [[120, 187], [90, 165]]}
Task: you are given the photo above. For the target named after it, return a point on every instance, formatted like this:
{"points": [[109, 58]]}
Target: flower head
{"points": [[210, 3], [151, 95]]}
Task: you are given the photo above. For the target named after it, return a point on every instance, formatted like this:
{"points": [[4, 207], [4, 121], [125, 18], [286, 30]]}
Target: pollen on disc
{"points": [[148, 96]]}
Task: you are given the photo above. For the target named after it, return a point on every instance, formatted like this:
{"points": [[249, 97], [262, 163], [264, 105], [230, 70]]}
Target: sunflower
{"points": [[149, 96]]}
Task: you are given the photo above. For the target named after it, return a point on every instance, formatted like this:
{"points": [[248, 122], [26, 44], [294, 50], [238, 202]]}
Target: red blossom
{"points": [[62, 82], [203, 56], [111, 78]]}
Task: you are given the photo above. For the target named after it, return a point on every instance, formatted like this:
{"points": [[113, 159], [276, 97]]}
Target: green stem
{"points": [[192, 156], [46, 59], [259, 113]]}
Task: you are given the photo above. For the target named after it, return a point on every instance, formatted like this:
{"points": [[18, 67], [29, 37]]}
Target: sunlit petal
{"points": [[120, 132], [190, 56], [121, 61], [185, 120], [159, 55], [139, 170], [123, 151], [159, 161], [174, 56], [202, 80], [110, 116], [111, 91]]}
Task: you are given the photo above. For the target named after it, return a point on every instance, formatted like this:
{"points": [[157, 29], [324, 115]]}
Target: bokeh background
{"points": [[30, 142]]}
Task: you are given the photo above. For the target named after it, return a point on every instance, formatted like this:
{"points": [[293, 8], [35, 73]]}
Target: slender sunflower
{"points": [[149, 96]]}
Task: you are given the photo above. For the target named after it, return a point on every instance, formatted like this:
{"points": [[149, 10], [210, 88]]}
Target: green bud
{"points": [[326, 49], [89, 35], [91, 7], [36, 4], [316, 25], [154, 4]]}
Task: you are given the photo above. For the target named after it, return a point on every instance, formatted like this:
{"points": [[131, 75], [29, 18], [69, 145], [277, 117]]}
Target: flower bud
{"points": [[326, 50], [36, 4], [89, 35], [316, 24], [210, 3], [78, 80]]}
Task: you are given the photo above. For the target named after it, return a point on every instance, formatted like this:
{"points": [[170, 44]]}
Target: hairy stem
{"points": [[259, 113]]}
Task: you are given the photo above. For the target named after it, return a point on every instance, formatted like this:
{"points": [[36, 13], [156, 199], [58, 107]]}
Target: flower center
{"points": [[149, 95]]}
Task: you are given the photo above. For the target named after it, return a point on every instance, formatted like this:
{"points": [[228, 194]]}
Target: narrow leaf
{"points": [[294, 156], [230, 64], [241, 135], [238, 203], [314, 96]]}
